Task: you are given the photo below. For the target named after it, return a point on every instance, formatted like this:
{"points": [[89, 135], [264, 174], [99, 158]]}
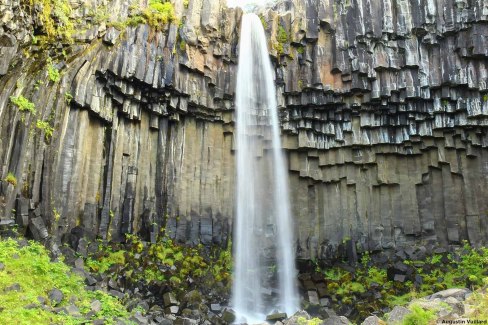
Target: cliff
{"points": [[384, 108]]}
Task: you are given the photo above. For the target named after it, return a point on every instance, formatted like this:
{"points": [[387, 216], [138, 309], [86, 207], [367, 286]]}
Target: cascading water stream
{"points": [[264, 276]]}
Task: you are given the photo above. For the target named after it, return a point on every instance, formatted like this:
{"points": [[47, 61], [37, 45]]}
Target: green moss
{"points": [[464, 267], [11, 179], [166, 262], [55, 18], [186, 3], [31, 268], [300, 49], [314, 321], [46, 128], [278, 47], [159, 13], [263, 21], [23, 104], [53, 72], [485, 97], [182, 45], [68, 97], [282, 36]]}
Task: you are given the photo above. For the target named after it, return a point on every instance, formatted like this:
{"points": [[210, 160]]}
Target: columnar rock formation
{"points": [[384, 111]]}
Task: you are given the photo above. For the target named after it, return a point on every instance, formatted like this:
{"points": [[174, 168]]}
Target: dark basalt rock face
{"points": [[384, 108]]}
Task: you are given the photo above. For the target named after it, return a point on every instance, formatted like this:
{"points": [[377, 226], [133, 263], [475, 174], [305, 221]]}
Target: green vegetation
{"points": [[182, 45], [263, 21], [164, 261], [419, 316], [478, 303], [29, 274], [23, 104], [186, 3], [11, 179], [485, 97], [68, 97], [44, 126], [313, 321], [156, 15], [466, 267], [55, 18], [53, 72], [282, 36]]}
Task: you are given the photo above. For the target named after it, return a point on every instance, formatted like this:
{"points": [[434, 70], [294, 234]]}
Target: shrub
{"points": [[23, 104]]}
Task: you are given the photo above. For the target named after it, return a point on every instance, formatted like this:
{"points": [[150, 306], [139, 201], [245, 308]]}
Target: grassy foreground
{"points": [[27, 275]]}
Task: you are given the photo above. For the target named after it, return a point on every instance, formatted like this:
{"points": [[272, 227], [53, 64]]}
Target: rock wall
{"points": [[383, 104]]}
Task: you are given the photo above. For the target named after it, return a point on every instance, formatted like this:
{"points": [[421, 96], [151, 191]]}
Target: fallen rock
{"points": [[398, 314], [55, 296], [276, 317]]}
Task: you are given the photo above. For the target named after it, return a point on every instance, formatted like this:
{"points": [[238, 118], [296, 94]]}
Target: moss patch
{"points": [[28, 273]]}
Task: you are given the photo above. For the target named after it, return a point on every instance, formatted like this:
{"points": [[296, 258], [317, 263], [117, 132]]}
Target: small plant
{"points": [[38, 84], [53, 72], [282, 36], [11, 179], [182, 45], [419, 316], [23, 104], [56, 215], [68, 97], [186, 3], [44, 126]]}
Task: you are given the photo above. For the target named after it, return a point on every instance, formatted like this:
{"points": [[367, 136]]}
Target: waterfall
{"points": [[264, 276]]}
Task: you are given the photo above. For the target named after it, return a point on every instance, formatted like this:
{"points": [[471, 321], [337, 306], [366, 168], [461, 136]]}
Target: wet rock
{"points": [[276, 317], [336, 320], [398, 314], [228, 315], [72, 310], [116, 293], [95, 306], [372, 320], [13, 287], [172, 310], [55, 296], [170, 300], [313, 297]]}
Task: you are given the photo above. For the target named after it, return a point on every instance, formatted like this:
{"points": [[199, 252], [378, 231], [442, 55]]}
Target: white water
{"points": [[264, 276]]}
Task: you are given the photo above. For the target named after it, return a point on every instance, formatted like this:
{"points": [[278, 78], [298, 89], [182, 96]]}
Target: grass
{"points": [[31, 268]]}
